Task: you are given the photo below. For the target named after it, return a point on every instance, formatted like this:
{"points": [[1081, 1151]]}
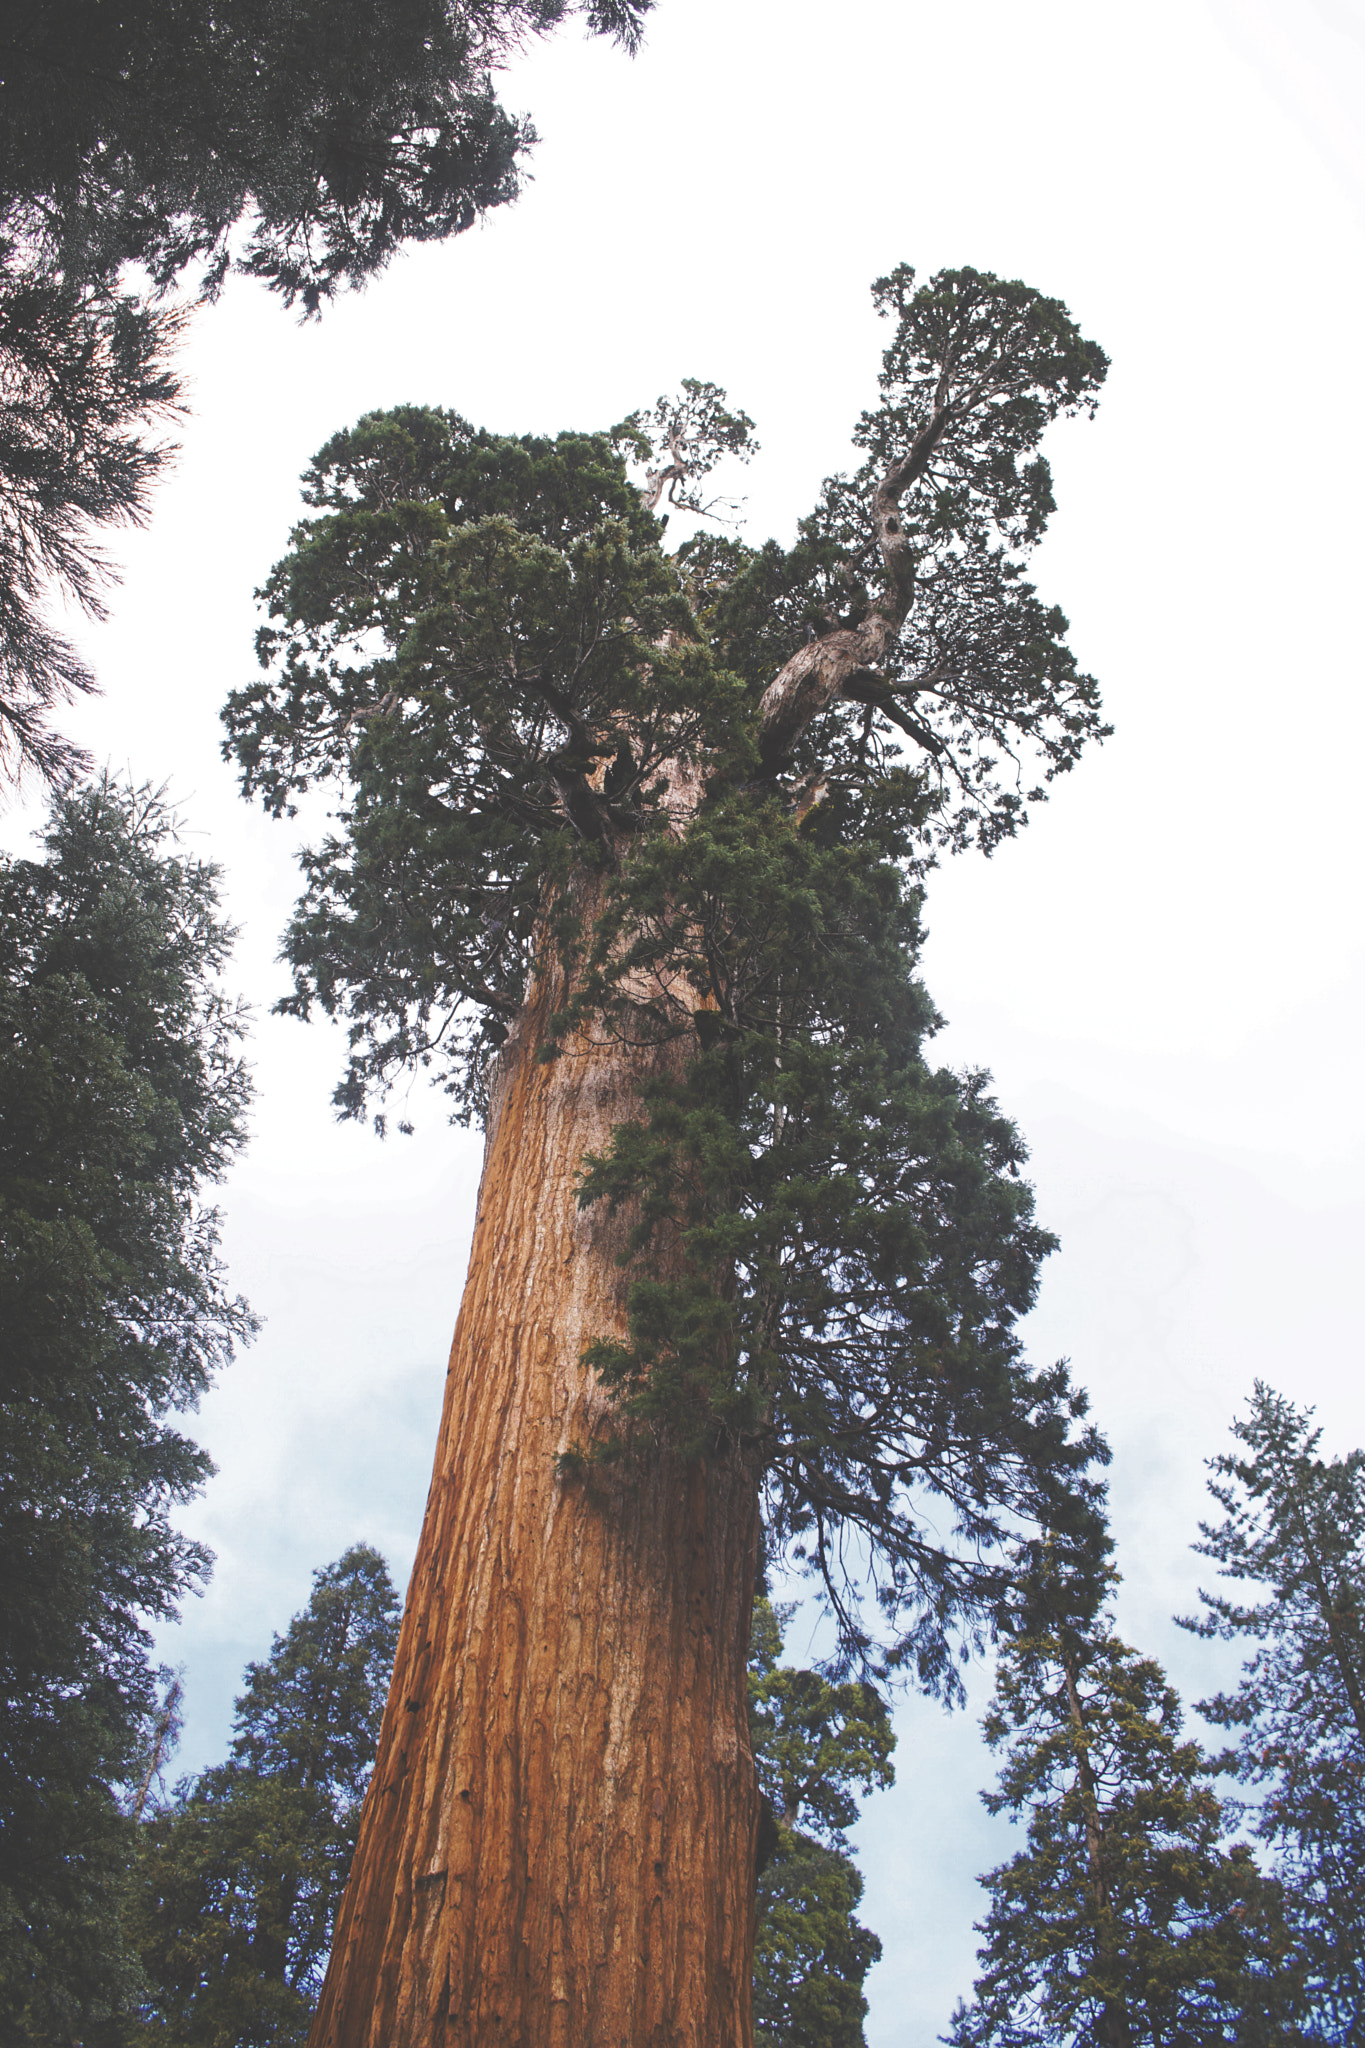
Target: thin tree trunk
{"points": [[162, 1741], [558, 1843], [1114, 2030]]}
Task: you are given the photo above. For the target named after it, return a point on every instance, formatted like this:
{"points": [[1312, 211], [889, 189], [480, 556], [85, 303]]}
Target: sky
{"points": [[1164, 972]]}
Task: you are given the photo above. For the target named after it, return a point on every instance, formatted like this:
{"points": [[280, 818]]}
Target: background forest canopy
{"points": [[152, 150], [710, 783]]}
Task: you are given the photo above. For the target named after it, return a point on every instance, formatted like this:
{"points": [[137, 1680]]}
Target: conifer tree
{"points": [[1124, 1921], [235, 1884], [627, 854], [813, 1742], [1293, 1529], [121, 1096]]}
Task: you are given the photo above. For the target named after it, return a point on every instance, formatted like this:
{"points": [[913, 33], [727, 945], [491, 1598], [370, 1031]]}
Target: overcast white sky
{"points": [[1165, 974]]}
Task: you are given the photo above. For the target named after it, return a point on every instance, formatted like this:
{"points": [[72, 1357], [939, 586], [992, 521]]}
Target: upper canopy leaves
{"points": [[303, 144], [684, 438], [479, 641], [977, 369], [906, 582]]}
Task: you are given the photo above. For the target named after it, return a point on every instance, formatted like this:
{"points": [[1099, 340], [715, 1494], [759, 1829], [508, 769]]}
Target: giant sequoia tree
{"points": [[626, 854]]}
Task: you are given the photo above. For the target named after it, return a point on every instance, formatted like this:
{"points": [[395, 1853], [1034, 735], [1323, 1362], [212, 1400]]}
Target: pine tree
{"points": [[121, 1096], [1124, 1921], [235, 1884], [1294, 1526], [628, 855], [812, 1742]]}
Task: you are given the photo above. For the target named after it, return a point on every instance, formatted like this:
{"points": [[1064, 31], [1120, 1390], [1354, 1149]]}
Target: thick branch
{"points": [[823, 669], [670, 475], [873, 690], [582, 806]]}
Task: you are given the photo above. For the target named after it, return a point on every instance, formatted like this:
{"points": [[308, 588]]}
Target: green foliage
{"points": [[335, 132], [464, 628], [121, 1094], [1007, 362], [813, 1742], [811, 1955], [1294, 1526], [1124, 1921], [981, 680], [235, 1886], [540, 733], [303, 145], [681, 440], [859, 1240], [84, 371]]}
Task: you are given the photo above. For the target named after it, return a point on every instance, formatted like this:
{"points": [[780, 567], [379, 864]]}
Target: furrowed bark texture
{"points": [[557, 1847]]}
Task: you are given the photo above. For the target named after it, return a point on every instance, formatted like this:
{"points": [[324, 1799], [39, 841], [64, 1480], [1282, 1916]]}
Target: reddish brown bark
{"points": [[558, 1843]]}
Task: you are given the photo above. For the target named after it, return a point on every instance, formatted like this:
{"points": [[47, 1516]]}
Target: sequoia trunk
{"points": [[558, 1842]]}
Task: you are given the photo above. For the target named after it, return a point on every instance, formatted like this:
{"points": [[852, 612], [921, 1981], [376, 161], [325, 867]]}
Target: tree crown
{"points": [[1293, 1528], [1123, 1921], [707, 805]]}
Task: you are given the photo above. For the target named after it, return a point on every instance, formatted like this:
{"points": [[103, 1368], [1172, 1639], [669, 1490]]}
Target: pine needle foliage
{"points": [[84, 379], [167, 144], [713, 805], [300, 145]]}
